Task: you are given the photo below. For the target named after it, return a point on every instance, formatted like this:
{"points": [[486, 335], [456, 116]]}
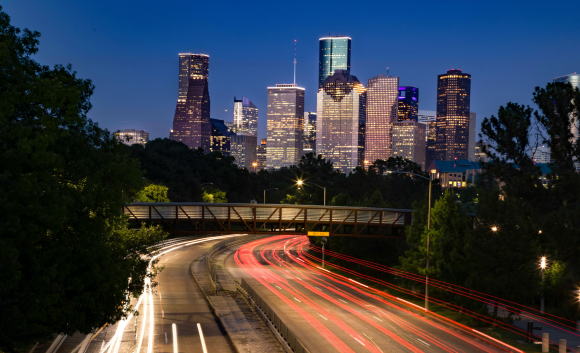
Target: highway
{"points": [[332, 313], [175, 301]]}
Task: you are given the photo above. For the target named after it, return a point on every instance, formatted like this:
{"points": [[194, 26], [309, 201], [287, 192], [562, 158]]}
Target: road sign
{"points": [[318, 234]]}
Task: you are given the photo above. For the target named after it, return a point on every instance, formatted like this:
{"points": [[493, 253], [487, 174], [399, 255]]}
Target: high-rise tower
{"points": [[408, 102], [245, 117], [334, 54], [453, 107], [191, 123], [285, 125], [381, 113], [340, 121]]}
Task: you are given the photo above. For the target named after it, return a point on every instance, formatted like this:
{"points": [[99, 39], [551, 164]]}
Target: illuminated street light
{"points": [[254, 165], [300, 183], [494, 229], [542, 264]]}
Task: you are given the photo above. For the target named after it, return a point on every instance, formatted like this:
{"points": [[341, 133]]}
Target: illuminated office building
{"points": [[285, 125], [428, 119], [220, 140], [542, 154], [132, 136], [409, 141], [309, 145], [261, 154], [453, 104], [340, 121], [245, 117], [381, 113], [191, 123], [243, 149], [408, 102], [333, 54]]}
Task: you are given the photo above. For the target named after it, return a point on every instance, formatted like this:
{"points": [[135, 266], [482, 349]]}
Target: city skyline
{"points": [[125, 45]]}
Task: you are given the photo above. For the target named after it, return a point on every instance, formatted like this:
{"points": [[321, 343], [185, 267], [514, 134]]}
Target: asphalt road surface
{"points": [[332, 313]]}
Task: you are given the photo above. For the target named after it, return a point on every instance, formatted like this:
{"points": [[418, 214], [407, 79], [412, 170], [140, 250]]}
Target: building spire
{"points": [[295, 61]]}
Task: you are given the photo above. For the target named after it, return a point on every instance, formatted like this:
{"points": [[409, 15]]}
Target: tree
{"points": [[152, 193], [68, 260]]}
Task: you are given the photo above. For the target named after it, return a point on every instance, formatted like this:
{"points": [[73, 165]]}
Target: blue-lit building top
{"points": [[408, 108], [334, 54]]}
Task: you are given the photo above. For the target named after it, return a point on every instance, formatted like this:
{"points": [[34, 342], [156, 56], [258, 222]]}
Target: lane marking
{"points": [[342, 300], [202, 339], [277, 287], [425, 343], [377, 318], [359, 341], [357, 282], [175, 343], [298, 300], [322, 316]]}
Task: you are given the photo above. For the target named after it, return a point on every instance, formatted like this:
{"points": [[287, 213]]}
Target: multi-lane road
{"points": [[332, 313], [327, 312]]}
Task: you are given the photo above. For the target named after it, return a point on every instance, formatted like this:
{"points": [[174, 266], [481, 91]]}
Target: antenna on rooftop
{"points": [[295, 61]]}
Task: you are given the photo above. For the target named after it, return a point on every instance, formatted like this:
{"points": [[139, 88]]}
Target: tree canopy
{"points": [[68, 260]]}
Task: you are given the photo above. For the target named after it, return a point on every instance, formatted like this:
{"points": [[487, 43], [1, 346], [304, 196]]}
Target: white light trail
{"points": [[201, 338], [175, 343]]}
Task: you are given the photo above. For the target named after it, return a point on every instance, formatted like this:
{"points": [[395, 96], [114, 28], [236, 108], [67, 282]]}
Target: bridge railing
{"points": [[281, 217]]}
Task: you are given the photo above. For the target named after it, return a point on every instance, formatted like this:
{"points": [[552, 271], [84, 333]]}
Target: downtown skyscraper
{"points": [[285, 125], [453, 108], [340, 121], [191, 123], [408, 102], [245, 133], [381, 114], [333, 54]]}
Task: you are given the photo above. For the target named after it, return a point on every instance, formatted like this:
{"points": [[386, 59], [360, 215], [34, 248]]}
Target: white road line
{"points": [[342, 300], [298, 300], [175, 343], [425, 343], [357, 282], [377, 318], [322, 316], [203, 347], [277, 287], [359, 341]]}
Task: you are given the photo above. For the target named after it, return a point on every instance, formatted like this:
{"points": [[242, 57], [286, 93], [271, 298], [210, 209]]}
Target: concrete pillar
{"points": [[545, 342], [562, 346]]}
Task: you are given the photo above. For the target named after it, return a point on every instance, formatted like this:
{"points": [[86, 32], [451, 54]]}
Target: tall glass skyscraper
{"points": [[191, 123], [334, 54], [381, 113], [408, 103], [245, 117], [309, 132], [285, 125], [574, 80], [340, 121], [453, 107]]}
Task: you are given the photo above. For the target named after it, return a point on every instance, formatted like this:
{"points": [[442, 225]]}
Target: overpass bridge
{"points": [[192, 217]]}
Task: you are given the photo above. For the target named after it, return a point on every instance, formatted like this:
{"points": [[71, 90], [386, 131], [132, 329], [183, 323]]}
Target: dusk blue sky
{"points": [[129, 48]]}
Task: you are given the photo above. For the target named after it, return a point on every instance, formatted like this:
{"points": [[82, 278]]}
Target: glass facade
{"points": [[261, 154], [245, 117], [132, 136], [340, 123], [309, 143], [453, 107], [334, 54], [382, 107], [191, 123], [409, 141], [220, 140], [408, 102], [243, 149], [285, 125]]}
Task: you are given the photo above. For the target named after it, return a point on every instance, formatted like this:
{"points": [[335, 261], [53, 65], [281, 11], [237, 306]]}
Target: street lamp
{"points": [[542, 264], [494, 228], [300, 183], [254, 165], [268, 190], [430, 179]]}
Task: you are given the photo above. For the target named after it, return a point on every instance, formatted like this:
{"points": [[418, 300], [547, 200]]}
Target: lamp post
{"points": [[268, 190], [542, 264], [300, 183], [430, 179]]}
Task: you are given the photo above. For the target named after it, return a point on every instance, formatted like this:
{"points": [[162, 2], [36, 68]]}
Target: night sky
{"points": [[129, 48]]}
